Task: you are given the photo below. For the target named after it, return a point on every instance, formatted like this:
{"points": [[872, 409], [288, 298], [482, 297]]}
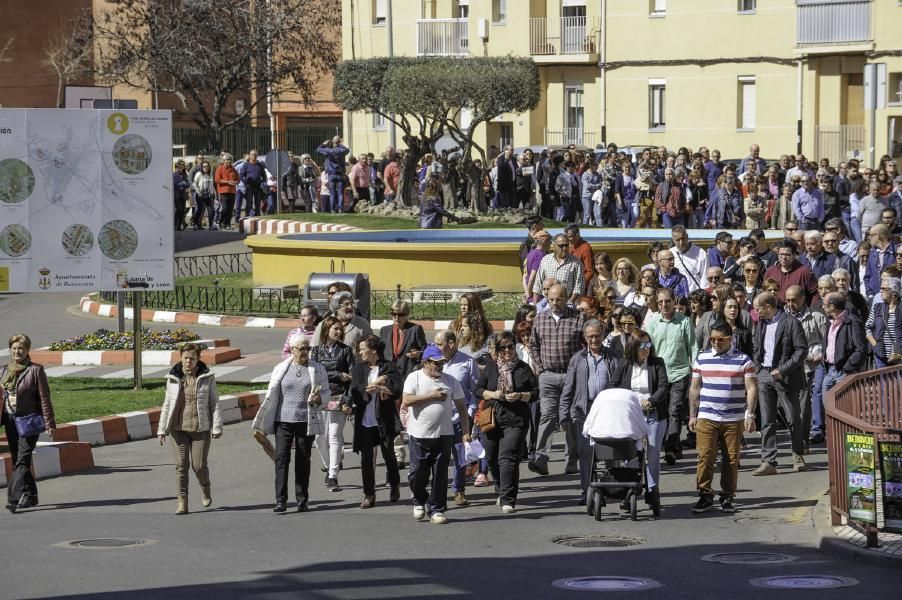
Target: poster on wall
{"points": [[891, 473], [861, 470], [85, 200]]}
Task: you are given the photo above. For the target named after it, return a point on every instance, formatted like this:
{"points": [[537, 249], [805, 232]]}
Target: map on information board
{"points": [[85, 200]]}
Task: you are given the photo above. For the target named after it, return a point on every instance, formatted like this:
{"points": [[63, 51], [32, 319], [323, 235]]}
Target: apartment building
{"points": [[786, 74]]}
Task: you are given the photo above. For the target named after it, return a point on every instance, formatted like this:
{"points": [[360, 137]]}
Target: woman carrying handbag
{"points": [[27, 412], [506, 387]]}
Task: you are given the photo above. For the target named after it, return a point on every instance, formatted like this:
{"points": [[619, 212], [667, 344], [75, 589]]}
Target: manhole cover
{"points": [[601, 583], [597, 541], [748, 558], [804, 582], [105, 543]]}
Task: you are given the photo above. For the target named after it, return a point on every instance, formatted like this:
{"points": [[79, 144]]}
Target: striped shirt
{"points": [[723, 393]]}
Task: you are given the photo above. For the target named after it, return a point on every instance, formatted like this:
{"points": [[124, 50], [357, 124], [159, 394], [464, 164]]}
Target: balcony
{"points": [[443, 37], [564, 39], [572, 135], [833, 25]]}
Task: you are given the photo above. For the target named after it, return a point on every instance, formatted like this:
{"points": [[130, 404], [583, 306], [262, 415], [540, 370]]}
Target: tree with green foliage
{"points": [[425, 97]]}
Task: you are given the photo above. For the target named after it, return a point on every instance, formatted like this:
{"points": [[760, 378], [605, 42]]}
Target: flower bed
{"points": [[104, 339]]}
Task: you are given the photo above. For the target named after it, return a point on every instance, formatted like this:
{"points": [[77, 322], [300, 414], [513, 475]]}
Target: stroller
{"points": [[616, 425]]}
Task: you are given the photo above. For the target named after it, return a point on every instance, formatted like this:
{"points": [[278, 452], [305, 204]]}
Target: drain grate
{"points": [[597, 541], [601, 583], [748, 558], [804, 582], [106, 543]]}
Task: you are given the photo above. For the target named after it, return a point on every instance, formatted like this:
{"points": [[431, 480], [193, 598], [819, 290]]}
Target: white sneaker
{"points": [[508, 509], [419, 513], [438, 519]]}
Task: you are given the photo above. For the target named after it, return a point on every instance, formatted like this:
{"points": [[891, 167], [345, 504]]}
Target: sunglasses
{"points": [[395, 314], [791, 228], [645, 346], [563, 246], [627, 323]]}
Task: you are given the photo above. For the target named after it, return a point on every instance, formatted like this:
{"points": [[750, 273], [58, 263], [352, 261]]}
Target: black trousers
{"points": [[179, 213], [21, 449], [253, 197], [288, 435], [429, 460], [369, 439], [502, 449], [227, 202]]}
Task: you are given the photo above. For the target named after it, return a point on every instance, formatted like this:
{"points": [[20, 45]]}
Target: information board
{"points": [[85, 200], [861, 471], [891, 468]]}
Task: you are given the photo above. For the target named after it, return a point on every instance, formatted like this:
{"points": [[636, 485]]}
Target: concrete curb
{"points": [[70, 450], [263, 226], [827, 541], [53, 458], [218, 352], [86, 305]]}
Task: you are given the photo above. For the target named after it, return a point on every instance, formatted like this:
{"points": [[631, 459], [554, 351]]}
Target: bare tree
{"points": [[70, 53], [207, 52]]}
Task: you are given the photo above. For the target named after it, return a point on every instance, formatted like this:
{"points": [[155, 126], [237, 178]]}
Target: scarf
{"points": [[505, 380], [13, 369]]}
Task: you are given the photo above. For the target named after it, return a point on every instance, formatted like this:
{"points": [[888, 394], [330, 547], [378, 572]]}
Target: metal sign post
{"points": [[138, 346], [120, 306], [277, 162]]}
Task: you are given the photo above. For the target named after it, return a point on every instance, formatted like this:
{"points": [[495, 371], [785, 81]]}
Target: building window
{"points": [[656, 92], [746, 7], [499, 12], [575, 114], [506, 131], [378, 121], [463, 9], [379, 12], [746, 108], [894, 89], [657, 8]]}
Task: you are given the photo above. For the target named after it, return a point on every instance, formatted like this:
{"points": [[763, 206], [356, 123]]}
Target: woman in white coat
{"points": [[290, 411], [190, 414]]}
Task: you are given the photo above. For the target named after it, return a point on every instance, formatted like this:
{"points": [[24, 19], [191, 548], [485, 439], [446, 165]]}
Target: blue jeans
{"points": [[699, 218], [813, 402], [336, 193], [831, 378], [429, 458], [589, 212], [855, 229], [656, 431], [671, 221], [459, 483], [239, 199]]}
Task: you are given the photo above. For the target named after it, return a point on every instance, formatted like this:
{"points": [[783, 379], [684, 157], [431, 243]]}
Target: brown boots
{"points": [[368, 502]]}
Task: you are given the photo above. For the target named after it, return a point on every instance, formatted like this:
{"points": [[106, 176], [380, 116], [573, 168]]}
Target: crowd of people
{"points": [[602, 188]]}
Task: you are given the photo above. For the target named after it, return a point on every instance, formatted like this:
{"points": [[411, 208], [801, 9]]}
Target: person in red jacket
{"points": [[789, 271], [226, 180]]}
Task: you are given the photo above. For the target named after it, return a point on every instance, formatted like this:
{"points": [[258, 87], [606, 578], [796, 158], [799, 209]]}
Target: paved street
{"points": [[240, 549]]}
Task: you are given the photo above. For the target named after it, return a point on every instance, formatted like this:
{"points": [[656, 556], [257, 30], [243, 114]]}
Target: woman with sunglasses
{"points": [[626, 275], [647, 278], [644, 373], [508, 385], [626, 322]]}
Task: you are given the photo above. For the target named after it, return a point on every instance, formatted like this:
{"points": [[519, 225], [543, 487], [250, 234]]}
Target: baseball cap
{"points": [[433, 353]]}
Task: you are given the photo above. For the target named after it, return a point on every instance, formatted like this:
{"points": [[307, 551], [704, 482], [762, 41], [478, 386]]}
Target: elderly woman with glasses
{"points": [[291, 411], [644, 373], [507, 386], [884, 324]]}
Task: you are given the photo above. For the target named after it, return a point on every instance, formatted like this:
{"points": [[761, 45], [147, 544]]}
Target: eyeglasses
{"points": [[714, 278], [884, 289], [750, 270], [719, 340], [437, 363], [784, 255], [395, 314], [610, 296], [791, 229], [627, 323], [347, 305], [563, 246], [505, 347], [645, 346]]}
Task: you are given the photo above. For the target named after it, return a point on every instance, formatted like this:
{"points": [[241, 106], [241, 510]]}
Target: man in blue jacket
{"points": [[334, 152], [253, 175]]}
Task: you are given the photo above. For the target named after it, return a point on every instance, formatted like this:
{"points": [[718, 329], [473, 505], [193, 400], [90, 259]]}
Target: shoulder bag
{"points": [[485, 416]]}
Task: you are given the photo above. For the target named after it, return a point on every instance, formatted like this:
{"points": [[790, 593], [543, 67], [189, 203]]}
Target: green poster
{"points": [[860, 467], [891, 468]]}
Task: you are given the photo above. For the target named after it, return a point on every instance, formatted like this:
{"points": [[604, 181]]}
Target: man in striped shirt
{"points": [[722, 402]]}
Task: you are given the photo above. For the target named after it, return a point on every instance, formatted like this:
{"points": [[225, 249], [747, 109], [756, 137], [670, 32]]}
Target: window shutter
{"points": [[748, 105]]}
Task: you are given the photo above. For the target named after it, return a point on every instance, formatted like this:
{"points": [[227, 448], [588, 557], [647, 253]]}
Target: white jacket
{"points": [[208, 415], [265, 420], [616, 413]]}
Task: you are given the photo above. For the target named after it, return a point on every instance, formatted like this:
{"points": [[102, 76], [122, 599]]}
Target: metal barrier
{"points": [[277, 302], [867, 403], [239, 140], [213, 264]]}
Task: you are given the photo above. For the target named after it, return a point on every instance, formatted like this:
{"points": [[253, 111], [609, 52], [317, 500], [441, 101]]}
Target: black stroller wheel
{"points": [[590, 502], [598, 505], [634, 505], [656, 502]]}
